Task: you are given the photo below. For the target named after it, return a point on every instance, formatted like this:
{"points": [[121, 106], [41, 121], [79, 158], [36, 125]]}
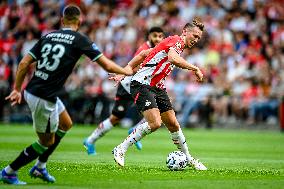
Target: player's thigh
{"points": [[65, 121], [46, 139], [144, 98], [170, 120], [44, 113]]}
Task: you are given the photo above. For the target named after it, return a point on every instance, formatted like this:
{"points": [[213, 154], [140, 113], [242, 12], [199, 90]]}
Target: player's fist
{"points": [[15, 97], [199, 75]]}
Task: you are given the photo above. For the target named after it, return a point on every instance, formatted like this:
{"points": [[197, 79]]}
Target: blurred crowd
{"points": [[241, 54]]}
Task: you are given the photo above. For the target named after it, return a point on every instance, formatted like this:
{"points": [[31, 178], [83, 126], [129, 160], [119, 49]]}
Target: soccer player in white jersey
{"points": [[55, 55], [149, 93], [123, 99]]}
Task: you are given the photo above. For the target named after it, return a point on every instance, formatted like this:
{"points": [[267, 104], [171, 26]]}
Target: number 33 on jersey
{"points": [[56, 54]]}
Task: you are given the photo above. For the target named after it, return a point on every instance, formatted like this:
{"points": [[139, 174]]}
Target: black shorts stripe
{"points": [[150, 65]]}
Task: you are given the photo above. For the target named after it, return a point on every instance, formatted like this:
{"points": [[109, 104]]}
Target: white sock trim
{"points": [[9, 170], [40, 164]]}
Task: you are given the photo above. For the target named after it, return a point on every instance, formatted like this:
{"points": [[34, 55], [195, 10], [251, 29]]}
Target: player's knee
{"points": [[66, 125], [47, 142], [154, 125], [173, 126], [114, 119]]}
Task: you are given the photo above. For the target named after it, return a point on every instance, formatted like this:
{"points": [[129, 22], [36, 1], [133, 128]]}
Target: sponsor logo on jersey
{"points": [[178, 44]]}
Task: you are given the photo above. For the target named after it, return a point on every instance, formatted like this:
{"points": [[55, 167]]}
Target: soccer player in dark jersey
{"points": [[149, 93], [123, 99], [55, 54]]}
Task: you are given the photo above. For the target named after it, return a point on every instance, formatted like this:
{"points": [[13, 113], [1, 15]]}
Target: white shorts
{"points": [[45, 114]]}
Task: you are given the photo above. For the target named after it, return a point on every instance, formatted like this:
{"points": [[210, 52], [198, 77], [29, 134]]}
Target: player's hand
{"points": [[199, 75], [15, 97], [128, 70], [116, 78]]}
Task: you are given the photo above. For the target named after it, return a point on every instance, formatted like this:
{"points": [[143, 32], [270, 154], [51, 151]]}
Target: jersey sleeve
{"points": [[89, 49], [35, 51], [176, 45]]}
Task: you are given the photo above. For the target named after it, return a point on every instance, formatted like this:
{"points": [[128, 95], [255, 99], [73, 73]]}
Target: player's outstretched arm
{"points": [[133, 64], [180, 62], [16, 96], [111, 67]]}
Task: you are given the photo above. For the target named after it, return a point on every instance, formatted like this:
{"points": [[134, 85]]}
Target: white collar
{"points": [[66, 29]]}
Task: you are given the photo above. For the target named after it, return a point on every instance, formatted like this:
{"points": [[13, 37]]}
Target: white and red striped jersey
{"points": [[156, 67], [126, 81]]}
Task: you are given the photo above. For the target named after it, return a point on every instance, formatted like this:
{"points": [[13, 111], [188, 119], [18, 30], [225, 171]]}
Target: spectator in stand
{"points": [[241, 36], [4, 85]]}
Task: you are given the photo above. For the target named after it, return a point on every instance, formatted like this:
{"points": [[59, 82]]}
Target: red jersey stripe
{"points": [[157, 78]]}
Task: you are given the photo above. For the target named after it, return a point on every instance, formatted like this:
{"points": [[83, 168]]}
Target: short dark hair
{"points": [[155, 29], [71, 12], [195, 23]]}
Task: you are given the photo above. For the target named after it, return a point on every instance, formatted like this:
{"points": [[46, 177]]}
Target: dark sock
{"points": [[58, 136], [27, 155]]}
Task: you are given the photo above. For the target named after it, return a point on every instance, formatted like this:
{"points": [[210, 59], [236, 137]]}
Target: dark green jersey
{"points": [[56, 54]]}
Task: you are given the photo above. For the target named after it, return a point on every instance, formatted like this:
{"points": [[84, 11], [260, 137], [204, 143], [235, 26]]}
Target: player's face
{"points": [[155, 38], [192, 36]]}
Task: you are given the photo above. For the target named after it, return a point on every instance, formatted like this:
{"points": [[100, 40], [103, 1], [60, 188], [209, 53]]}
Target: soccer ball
{"points": [[176, 161]]}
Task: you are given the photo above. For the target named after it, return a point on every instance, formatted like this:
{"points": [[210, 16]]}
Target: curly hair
{"points": [[195, 23]]}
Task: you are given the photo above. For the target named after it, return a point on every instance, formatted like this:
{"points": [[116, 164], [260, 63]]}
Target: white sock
{"points": [[102, 129], [9, 170], [140, 122], [179, 140], [40, 164], [137, 134]]}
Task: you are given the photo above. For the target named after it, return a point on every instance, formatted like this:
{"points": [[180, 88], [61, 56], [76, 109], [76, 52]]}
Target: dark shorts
{"points": [[123, 100], [147, 97]]}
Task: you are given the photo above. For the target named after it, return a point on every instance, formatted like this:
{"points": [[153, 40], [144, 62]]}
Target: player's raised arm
{"points": [[15, 96], [180, 62]]}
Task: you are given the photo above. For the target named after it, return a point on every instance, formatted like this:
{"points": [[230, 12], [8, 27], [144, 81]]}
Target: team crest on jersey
{"points": [[178, 45], [95, 47]]}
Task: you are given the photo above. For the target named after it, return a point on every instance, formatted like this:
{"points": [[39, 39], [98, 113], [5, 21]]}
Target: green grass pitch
{"points": [[235, 159]]}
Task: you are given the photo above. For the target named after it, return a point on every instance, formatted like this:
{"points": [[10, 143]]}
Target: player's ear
{"points": [[62, 21], [184, 31], [79, 23]]}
